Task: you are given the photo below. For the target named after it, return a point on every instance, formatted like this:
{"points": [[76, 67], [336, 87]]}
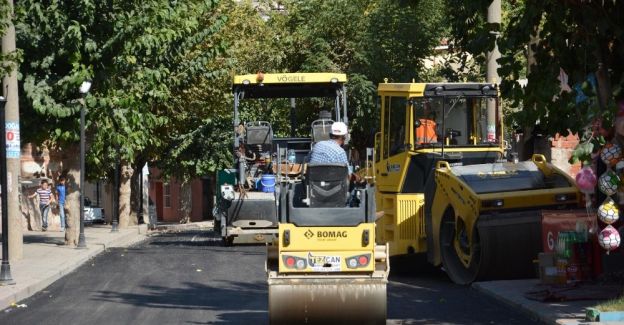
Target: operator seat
{"points": [[328, 185], [258, 137], [321, 129]]}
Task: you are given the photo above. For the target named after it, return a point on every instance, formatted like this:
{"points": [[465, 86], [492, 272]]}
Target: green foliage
{"points": [[400, 35], [139, 54], [198, 138], [8, 61], [368, 40], [162, 69], [538, 38]]}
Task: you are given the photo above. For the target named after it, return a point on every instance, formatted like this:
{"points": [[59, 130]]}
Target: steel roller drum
{"points": [[328, 300], [504, 247]]}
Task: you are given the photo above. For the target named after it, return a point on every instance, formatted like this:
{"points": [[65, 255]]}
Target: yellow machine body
{"points": [[326, 281], [324, 266], [244, 213], [453, 197]]}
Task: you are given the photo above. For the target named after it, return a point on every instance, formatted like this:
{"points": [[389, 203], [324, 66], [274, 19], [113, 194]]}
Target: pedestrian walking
{"points": [[60, 198], [45, 197]]}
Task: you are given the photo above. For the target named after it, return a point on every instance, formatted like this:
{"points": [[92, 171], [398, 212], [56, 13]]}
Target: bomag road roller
{"points": [[246, 205], [325, 266], [444, 189]]}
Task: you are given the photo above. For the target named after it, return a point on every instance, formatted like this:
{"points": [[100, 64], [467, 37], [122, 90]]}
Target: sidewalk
{"points": [[46, 259], [175, 226], [512, 293]]}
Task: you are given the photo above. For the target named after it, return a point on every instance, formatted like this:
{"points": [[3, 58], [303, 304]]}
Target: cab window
{"points": [[396, 127], [454, 120]]}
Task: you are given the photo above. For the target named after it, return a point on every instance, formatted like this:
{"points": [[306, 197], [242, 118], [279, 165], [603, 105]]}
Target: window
{"points": [[167, 195], [386, 125], [396, 128], [456, 121], [377, 148]]}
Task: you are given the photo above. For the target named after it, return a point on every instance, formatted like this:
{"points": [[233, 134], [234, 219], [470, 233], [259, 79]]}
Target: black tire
{"points": [[451, 262], [217, 225], [228, 241]]}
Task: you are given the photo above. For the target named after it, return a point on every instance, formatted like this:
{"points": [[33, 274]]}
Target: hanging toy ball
{"points": [[608, 211], [586, 180], [608, 183], [619, 166], [609, 238], [611, 154]]}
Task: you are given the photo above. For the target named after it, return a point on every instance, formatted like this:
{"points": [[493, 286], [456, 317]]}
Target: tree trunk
{"points": [[186, 202], [136, 197], [71, 162], [126, 218], [604, 86], [135, 202]]}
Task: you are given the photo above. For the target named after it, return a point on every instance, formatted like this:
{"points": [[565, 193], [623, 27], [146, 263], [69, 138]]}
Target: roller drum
{"points": [[509, 244], [327, 301], [503, 247]]}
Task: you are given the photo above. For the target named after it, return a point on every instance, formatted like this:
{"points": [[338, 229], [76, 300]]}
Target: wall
{"points": [[561, 151], [201, 198]]}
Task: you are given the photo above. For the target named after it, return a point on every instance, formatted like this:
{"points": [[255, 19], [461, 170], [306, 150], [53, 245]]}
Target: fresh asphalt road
{"points": [[189, 278]]}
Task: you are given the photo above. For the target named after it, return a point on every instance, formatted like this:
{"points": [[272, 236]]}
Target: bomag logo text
{"points": [[291, 78], [331, 234]]}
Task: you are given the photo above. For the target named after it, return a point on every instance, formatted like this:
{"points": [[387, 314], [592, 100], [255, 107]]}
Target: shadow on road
{"points": [[234, 302], [42, 239]]}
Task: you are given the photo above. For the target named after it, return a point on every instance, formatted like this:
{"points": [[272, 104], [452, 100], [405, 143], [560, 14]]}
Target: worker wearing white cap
{"points": [[331, 151]]}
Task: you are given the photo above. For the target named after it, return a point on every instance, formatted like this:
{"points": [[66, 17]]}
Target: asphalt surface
{"points": [[189, 278]]}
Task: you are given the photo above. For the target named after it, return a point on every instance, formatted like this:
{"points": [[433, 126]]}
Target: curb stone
{"points": [[532, 313]]}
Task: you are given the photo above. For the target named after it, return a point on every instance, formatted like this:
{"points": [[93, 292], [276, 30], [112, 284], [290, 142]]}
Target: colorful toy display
{"points": [[608, 183], [586, 180], [611, 154], [608, 211], [609, 238]]}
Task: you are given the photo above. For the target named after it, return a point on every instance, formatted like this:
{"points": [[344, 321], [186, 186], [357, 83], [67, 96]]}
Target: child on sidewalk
{"points": [[60, 198], [45, 197]]}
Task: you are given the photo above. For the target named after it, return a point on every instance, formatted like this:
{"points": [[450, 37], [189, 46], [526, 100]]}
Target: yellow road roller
{"points": [[444, 188], [325, 267]]}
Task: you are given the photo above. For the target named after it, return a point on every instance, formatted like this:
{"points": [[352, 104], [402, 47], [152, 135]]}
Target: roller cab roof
{"points": [[289, 85], [437, 89]]}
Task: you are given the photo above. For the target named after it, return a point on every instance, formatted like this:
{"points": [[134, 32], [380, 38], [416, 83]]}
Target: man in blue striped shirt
{"points": [[330, 151], [45, 197]]}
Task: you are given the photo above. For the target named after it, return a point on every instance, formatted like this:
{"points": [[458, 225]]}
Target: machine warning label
{"points": [[324, 263]]}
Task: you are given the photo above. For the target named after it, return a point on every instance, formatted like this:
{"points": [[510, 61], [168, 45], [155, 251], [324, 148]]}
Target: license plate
{"points": [[324, 263]]}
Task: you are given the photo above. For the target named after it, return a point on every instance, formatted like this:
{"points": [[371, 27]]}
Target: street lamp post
{"points": [[5, 269], [116, 183], [84, 90]]}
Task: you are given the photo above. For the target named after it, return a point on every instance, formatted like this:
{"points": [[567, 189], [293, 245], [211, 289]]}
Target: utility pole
{"points": [[13, 147], [493, 17]]}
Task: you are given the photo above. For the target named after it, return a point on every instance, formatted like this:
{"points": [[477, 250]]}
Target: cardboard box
{"points": [[549, 275], [546, 259], [547, 268]]}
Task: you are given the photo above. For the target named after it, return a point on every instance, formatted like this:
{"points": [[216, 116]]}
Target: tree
{"points": [[580, 41], [57, 55], [368, 40], [138, 53], [159, 49], [199, 138]]}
